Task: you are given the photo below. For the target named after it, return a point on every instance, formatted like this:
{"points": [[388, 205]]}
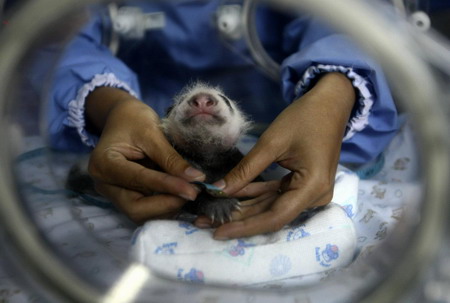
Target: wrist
{"points": [[336, 88], [324, 111], [101, 102], [331, 99]]}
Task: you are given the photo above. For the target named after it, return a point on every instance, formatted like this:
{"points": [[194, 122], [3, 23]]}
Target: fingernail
{"points": [[203, 225], [220, 184], [197, 189], [186, 197], [221, 238], [194, 173]]}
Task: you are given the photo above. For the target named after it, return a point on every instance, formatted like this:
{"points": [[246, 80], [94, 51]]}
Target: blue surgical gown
{"points": [[189, 48]]}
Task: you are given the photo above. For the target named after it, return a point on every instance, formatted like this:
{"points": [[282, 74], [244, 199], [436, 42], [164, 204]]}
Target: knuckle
{"points": [[99, 162], [327, 186], [317, 181], [136, 180], [325, 200], [134, 211], [134, 215], [171, 162], [324, 185], [93, 168], [242, 171], [276, 224]]}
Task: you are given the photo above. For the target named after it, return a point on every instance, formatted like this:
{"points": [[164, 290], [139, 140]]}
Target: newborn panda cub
{"points": [[204, 125]]}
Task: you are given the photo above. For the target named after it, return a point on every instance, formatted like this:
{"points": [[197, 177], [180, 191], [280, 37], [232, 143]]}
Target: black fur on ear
{"points": [[168, 110]]}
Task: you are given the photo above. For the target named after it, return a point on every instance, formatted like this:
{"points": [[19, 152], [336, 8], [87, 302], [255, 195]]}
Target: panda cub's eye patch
{"points": [[169, 109], [227, 102]]}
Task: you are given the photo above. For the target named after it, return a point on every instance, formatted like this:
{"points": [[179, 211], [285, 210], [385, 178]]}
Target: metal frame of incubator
{"points": [[413, 77]]}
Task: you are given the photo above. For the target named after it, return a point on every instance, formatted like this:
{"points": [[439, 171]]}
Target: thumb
{"points": [[250, 167], [164, 155]]}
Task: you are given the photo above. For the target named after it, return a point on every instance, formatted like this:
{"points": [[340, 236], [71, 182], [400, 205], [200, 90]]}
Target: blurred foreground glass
{"points": [[418, 68]]}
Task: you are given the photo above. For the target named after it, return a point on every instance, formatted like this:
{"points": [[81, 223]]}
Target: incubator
{"points": [[60, 248]]}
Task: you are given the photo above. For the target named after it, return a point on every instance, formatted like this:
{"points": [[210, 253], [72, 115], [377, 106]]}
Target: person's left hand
{"points": [[305, 139]]}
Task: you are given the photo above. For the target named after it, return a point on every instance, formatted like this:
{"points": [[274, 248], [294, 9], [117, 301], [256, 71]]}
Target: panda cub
{"points": [[204, 126]]}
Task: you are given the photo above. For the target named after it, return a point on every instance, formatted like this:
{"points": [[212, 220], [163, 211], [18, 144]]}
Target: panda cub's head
{"points": [[203, 117]]}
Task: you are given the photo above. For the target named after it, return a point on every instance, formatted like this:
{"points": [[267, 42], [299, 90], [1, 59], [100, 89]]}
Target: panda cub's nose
{"points": [[202, 101]]}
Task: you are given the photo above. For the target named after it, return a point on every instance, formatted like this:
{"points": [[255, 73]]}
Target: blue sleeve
{"points": [[314, 50], [85, 65]]}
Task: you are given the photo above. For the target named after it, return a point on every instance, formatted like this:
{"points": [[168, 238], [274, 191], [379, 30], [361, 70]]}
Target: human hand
{"points": [[305, 139], [133, 164]]}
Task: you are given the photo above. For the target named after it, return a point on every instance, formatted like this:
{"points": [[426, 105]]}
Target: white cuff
{"points": [[361, 118], [76, 108]]}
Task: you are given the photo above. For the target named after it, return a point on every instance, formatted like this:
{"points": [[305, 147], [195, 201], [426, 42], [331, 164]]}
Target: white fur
{"points": [[209, 135]]}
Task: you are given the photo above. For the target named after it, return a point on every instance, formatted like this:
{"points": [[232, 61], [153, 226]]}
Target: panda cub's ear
{"points": [[169, 110]]}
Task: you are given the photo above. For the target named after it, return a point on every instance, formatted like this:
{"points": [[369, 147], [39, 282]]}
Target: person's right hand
{"points": [[133, 164]]}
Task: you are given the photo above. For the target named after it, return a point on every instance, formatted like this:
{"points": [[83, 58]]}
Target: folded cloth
{"points": [[324, 241]]}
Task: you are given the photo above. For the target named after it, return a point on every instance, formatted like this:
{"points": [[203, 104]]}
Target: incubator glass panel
{"points": [[382, 230]]}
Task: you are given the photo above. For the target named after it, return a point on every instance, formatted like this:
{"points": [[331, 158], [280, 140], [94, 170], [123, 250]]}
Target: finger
{"points": [[247, 208], [300, 194], [256, 189], [284, 210], [169, 216], [171, 161], [251, 166], [255, 206], [203, 222], [140, 208], [138, 178]]}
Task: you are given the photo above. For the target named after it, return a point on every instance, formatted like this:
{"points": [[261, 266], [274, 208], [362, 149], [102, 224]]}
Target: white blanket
{"points": [[381, 200], [325, 241]]}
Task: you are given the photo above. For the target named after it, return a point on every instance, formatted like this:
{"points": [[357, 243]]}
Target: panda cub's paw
{"points": [[219, 210]]}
